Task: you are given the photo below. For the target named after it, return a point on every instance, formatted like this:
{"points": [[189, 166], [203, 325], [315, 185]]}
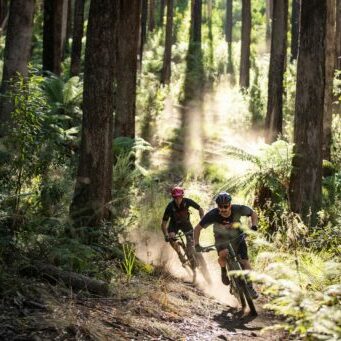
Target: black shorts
{"points": [[184, 227], [240, 247]]}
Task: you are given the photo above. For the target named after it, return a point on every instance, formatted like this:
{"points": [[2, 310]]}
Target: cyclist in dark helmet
{"points": [[178, 214], [226, 227]]}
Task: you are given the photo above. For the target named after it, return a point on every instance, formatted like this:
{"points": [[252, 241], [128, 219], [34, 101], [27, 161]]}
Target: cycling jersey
{"points": [[179, 215], [225, 230]]}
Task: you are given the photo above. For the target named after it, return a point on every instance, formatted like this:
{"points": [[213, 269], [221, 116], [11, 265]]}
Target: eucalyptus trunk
{"points": [[151, 25], [143, 29], [77, 36], [274, 115], [94, 177], [17, 53], [295, 21], [166, 68], [244, 79], [228, 34], [126, 59], [306, 177], [329, 74], [54, 34]]}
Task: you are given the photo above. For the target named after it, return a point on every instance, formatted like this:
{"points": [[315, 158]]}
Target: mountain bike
{"points": [[238, 283], [189, 258]]}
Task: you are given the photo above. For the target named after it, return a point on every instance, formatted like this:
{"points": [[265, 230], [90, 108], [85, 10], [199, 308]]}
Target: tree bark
{"points": [[306, 177], [166, 69], [126, 56], [73, 280], [329, 75], [17, 52], [228, 34], [78, 24], [94, 177], [143, 36], [268, 14], [274, 116], [162, 12], [295, 21], [196, 18], [151, 25], [54, 34], [244, 79], [338, 35]]}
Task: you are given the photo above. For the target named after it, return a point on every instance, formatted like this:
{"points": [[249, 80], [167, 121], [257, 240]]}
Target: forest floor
{"points": [[148, 307]]}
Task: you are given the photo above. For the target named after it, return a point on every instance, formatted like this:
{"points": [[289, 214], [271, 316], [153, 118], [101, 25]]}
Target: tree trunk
{"points": [[94, 177], [166, 69], [143, 37], [338, 35], [68, 30], [17, 52], [162, 12], [54, 34], [126, 55], [306, 176], [329, 75], [295, 21], [78, 24], [274, 116], [228, 34], [196, 18], [151, 25], [244, 80], [268, 15]]}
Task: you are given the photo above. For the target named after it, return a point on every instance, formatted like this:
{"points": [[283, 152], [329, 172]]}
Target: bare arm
{"points": [[201, 212], [164, 227], [254, 219], [197, 231]]}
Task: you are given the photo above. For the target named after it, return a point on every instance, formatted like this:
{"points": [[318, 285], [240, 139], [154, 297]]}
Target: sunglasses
{"points": [[223, 206]]}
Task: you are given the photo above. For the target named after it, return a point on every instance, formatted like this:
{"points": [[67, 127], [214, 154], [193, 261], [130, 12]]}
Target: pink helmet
{"points": [[177, 192]]}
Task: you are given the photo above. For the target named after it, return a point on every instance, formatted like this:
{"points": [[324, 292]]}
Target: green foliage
{"points": [[129, 260], [271, 168]]}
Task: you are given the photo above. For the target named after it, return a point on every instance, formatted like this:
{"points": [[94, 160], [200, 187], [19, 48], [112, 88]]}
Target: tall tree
{"points": [[244, 79], [162, 12], [228, 33], [306, 176], [166, 68], [54, 34], [295, 19], [196, 18], [338, 35], [151, 15], [78, 24], [143, 30], [94, 177], [274, 115], [268, 19], [17, 51], [329, 75], [126, 59]]}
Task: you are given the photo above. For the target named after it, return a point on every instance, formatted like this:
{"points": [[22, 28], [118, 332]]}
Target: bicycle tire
{"points": [[190, 263], [242, 292]]}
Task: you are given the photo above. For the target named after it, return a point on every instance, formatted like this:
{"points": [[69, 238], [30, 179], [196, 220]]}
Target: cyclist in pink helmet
{"points": [[178, 214]]}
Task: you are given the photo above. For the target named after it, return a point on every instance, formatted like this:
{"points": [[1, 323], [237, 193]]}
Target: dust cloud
{"points": [[151, 248]]}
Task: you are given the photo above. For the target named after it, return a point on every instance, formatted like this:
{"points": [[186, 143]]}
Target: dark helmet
{"points": [[177, 192], [223, 198]]}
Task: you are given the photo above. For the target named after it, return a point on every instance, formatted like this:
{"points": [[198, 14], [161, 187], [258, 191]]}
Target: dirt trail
{"points": [[154, 307]]}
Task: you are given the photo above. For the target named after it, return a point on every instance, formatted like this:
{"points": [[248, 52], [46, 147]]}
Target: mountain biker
{"points": [[226, 221], [178, 215]]}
